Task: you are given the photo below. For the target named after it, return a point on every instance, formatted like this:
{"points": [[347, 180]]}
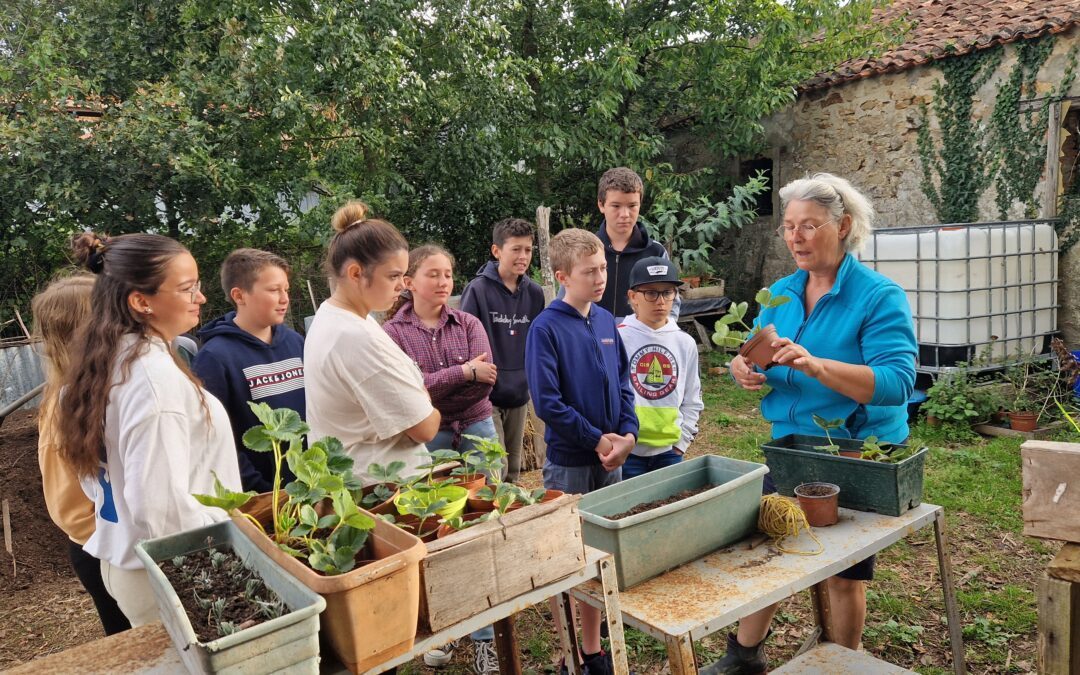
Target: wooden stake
{"points": [[7, 528], [311, 294], [22, 325], [543, 235]]}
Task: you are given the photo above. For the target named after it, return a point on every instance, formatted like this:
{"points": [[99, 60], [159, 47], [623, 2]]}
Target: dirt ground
{"points": [[43, 608]]}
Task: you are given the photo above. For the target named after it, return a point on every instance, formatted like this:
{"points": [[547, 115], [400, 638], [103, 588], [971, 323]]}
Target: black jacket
{"points": [[506, 318], [620, 263]]}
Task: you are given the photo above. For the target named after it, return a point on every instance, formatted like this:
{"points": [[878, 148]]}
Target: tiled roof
{"points": [[945, 28]]}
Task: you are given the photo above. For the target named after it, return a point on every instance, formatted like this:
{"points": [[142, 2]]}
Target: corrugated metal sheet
{"points": [[20, 371]]}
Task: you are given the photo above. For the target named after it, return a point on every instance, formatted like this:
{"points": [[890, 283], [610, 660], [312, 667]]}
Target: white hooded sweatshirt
{"points": [[667, 385]]}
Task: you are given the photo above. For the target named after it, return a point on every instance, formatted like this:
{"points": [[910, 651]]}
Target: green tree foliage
{"points": [[220, 122]]}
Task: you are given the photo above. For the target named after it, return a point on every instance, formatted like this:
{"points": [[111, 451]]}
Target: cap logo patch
{"points": [[657, 270]]}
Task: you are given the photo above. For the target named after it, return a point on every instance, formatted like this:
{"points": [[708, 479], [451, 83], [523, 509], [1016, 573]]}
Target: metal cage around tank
{"points": [[975, 289]]}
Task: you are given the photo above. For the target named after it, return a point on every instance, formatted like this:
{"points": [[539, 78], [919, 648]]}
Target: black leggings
{"points": [[88, 569]]}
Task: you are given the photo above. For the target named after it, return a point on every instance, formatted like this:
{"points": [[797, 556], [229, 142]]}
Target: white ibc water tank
{"points": [[973, 285]]}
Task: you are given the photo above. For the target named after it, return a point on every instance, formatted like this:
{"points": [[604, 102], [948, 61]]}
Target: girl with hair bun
{"points": [[138, 429], [361, 388]]}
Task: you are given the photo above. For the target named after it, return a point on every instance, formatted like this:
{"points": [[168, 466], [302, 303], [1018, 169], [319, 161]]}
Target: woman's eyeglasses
{"points": [[808, 230]]}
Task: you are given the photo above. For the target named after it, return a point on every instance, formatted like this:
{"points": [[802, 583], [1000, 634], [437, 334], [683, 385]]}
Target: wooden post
{"points": [[1053, 161], [1051, 494], [543, 236], [1066, 564], [1059, 627], [507, 647], [7, 528]]}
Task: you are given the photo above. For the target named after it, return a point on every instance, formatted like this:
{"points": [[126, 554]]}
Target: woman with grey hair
{"points": [[846, 351]]}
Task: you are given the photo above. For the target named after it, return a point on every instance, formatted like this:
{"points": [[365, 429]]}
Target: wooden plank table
{"points": [[715, 591], [147, 650]]}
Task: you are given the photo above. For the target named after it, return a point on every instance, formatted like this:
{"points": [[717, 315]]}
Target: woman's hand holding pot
{"points": [[745, 376], [797, 357]]}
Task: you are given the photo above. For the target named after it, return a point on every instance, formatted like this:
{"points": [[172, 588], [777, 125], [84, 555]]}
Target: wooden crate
{"points": [[1051, 473], [487, 564]]}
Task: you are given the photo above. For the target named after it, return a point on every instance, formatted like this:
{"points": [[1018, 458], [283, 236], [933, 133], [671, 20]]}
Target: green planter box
{"points": [[289, 643], [650, 543], [865, 485]]}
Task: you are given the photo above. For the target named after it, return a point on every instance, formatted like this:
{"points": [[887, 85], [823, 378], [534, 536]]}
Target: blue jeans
{"points": [[635, 465], [443, 440]]}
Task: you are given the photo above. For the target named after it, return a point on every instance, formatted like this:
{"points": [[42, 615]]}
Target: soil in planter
{"points": [[227, 584], [816, 490], [649, 506]]}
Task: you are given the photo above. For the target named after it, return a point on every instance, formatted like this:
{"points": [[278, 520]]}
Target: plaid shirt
{"points": [[440, 353]]}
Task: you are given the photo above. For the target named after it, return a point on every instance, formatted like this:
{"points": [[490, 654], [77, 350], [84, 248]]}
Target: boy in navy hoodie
{"points": [[579, 379], [250, 355], [506, 301]]}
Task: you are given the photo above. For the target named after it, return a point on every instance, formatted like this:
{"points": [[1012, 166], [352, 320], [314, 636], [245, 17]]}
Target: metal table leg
{"points": [[952, 614], [680, 654]]}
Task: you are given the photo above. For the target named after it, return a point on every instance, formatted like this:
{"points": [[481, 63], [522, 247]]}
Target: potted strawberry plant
{"points": [[754, 345], [366, 569]]}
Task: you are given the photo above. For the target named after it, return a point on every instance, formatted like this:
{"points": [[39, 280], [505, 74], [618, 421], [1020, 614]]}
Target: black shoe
{"points": [[598, 664], [739, 660]]}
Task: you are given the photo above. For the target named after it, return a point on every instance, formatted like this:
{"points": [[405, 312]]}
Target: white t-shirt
{"points": [[363, 390], [159, 448]]}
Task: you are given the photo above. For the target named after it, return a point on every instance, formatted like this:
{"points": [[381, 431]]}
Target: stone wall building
{"points": [[861, 120]]}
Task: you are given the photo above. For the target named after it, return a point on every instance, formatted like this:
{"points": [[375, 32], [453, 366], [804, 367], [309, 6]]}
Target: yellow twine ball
{"points": [[781, 518]]}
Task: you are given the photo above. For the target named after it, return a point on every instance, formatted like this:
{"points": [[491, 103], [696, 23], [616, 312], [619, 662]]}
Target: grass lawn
{"points": [[995, 568]]}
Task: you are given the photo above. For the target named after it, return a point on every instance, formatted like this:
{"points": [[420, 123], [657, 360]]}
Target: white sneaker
{"points": [[486, 659], [442, 656]]}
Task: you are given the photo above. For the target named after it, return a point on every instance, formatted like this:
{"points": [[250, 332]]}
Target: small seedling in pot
{"points": [[423, 505], [487, 456], [459, 523], [826, 426], [387, 481], [725, 337]]}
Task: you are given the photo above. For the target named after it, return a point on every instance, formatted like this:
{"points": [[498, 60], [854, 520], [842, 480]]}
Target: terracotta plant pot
{"points": [[371, 611], [445, 530], [386, 507], [758, 350], [549, 495], [819, 501], [472, 482], [933, 421], [427, 532], [692, 282], [1023, 421], [477, 505], [854, 454]]}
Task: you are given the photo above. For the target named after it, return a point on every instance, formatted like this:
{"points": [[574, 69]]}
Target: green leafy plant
{"points": [[724, 336], [958, 398], [324, 477], [883, 451], [688, 229], [387, 482], [486, 456], [459, 522], [827, 425]]}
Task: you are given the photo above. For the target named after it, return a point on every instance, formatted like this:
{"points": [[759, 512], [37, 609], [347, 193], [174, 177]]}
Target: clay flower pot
{"points": [[445, 530], [758, 350], [385, 507], [819, 501], [933, 421], [1023, 421], [549, 495], [472, 482], [854, 454]]}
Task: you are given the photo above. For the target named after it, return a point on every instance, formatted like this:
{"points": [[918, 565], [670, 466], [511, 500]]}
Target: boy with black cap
{"points": [[663, 369]]}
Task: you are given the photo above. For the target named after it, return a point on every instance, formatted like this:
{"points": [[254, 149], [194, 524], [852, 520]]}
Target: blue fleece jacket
{"points": [[237, 367], [865, 319], [579, 379]]}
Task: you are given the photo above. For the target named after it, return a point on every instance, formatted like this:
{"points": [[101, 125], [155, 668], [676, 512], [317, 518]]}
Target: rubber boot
{"points": [[739, 660]]}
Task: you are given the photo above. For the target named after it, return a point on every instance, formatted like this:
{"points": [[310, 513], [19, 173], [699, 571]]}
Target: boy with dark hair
{"points": [[579, 379], [506, 301], [618, 196], [250, 355]]}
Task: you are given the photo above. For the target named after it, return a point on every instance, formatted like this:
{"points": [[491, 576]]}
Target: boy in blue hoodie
{"points": [[250, 355], [579, 379]]}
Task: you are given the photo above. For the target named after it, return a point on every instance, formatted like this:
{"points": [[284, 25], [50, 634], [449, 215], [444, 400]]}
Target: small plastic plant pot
{"points": [[820, 503], [445, 530], [474, 482], [758, 350], [549, 496], [1023, 421]]}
